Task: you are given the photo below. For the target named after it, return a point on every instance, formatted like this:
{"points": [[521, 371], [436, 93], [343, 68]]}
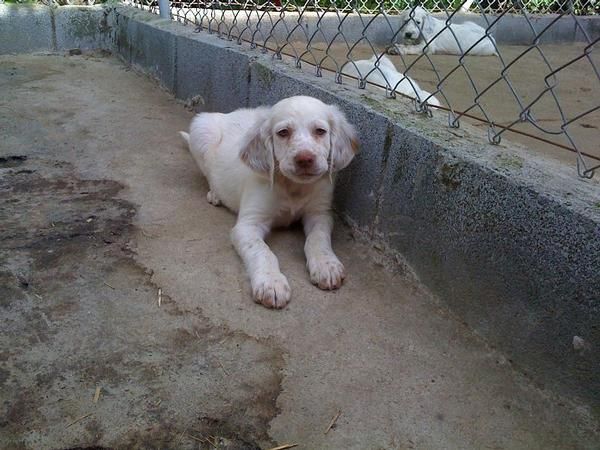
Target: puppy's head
{"points": [[413, 21], [303, 137]]}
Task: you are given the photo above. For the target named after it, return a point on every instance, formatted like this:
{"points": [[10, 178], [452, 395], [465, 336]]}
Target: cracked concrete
{"points": [[102, 206]]}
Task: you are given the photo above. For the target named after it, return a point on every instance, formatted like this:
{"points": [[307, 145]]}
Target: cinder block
{"points": [[153, 49], [515, 263], [121, 38], [213, 69], [81, 27], [25, 29], [410, 157], [358, 187], [587, 29]]}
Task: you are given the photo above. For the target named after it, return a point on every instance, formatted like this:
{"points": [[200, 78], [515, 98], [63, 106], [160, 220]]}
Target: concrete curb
{"points": [[508, 240]]}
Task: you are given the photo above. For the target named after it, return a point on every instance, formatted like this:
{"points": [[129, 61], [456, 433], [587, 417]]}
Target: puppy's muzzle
{"points": [[410, 37]]}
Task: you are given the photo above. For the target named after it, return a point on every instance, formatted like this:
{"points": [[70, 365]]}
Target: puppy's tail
{"points": [[431, 100], [185, 136]]}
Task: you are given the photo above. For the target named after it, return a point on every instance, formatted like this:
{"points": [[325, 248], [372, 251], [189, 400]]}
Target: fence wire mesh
{"points": [[460, 57]]}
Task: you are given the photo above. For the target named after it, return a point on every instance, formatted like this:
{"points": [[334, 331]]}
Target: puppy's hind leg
{"points": [[205, 135]]}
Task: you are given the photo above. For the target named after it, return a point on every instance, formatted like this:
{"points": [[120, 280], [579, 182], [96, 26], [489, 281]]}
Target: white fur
{"points": [[272, 179], [420, 28], [384, 73]]}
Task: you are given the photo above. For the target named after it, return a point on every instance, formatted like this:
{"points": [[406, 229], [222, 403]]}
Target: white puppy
{"points": [[384, 73], [420, 34], [274, 166]]}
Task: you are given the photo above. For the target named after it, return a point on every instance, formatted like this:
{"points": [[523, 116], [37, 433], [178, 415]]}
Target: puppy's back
{"points": [[387, 71], [472, 34], [205, 132], [211, 134], [215, 141]]}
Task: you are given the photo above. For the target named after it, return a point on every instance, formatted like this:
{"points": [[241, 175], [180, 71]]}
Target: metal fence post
{"points": [[164, 9]]}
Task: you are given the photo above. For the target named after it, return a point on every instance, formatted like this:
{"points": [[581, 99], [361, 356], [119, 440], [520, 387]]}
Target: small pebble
{"points": [[578, 343]]}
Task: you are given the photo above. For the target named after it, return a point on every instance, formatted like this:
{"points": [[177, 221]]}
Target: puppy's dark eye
{"points": [[320, 131], [283, 133], [418, 22]]}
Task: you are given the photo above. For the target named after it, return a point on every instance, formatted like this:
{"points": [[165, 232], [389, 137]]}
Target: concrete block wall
{"points": [[218, 79], [26, 29], [509, 241], [80, 27], [37, 28]]}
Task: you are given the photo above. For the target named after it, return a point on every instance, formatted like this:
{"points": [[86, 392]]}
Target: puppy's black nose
{"points": [[304, 160], [408, 35]]}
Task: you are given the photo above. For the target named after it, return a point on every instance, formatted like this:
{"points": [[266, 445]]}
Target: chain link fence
{"points": [[579, 7], [492, 63]]}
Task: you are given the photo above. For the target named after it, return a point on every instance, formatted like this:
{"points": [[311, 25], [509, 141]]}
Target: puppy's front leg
{"points": [[269, 286], [401, 49], [325, 269]]}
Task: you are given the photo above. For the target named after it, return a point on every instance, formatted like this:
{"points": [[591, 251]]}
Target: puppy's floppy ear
{"points": [[427, 24], [257, 147], [344, 140]]}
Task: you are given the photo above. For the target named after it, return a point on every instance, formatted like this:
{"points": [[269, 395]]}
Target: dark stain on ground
{"points": [[79, 314], [12, 161]]}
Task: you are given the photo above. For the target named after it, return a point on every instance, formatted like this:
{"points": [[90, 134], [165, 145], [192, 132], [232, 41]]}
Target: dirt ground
{"points": [[102, 212], [577, 90]]}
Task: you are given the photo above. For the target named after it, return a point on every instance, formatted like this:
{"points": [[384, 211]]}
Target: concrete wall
{"points": [[34, 28], [508, 240], [26, 29]]}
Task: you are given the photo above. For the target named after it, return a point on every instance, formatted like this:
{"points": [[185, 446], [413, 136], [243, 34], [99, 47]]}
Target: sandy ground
{"points": [[102, 207], [577, 90]]}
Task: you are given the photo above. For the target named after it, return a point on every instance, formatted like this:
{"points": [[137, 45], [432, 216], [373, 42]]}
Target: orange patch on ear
{"points": [[354, 144], [244, 157]]}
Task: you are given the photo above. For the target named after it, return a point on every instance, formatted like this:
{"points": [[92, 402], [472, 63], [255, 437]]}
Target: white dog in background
{"points": [[420, 29], [380, 71], [274, 166]]}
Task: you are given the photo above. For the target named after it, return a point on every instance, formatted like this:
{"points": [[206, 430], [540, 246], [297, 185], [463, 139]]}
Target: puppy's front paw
{"points": [[213, 199], [327, 272], [394, 50], [271, 290]]}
